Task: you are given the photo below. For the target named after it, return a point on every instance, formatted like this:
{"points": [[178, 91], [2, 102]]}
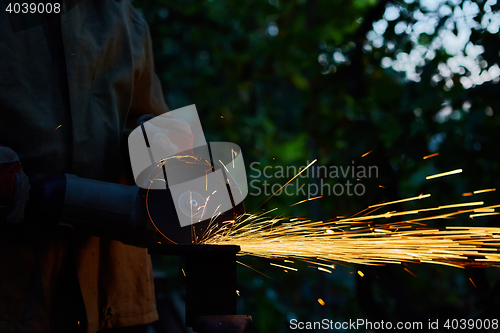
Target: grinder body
{"points": [[130, 214], [103, 208]]}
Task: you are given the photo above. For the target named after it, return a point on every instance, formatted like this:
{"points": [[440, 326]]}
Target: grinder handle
{"points": [[97, 207], [105, 208]]}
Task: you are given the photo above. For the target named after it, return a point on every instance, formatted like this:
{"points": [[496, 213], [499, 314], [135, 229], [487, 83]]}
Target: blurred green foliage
{"points": [[291, 81]]}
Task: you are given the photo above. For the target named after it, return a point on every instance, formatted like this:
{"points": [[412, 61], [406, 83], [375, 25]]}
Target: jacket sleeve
{"points": [[147, 96]]}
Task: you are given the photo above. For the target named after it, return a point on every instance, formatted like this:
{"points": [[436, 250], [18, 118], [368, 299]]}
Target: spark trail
{"points": [[365, 240]]}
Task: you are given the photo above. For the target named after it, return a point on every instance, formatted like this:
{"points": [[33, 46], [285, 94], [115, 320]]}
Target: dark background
{"points": [[294, 80]]}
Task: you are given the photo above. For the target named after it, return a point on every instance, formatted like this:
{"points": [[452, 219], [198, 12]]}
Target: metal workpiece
{"points": [[210, 286]]}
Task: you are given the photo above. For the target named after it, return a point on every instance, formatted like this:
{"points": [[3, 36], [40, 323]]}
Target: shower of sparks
{"points": [[370, 237], [364, 240], [431, 155], [444, 174], [366, 237]]}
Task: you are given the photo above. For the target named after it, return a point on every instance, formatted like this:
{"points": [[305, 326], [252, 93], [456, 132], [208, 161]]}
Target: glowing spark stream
{"points": [[366, 154], [369, 238], [487, 190], [361, 241], [288, 182], [406, 269], [422, 196], [444, 174], [482, 214], [293, 269], [431, 155], [307, 200], [462, 205]]}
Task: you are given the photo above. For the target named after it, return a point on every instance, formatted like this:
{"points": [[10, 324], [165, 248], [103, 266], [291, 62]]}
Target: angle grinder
{"points": [[179, 199]]}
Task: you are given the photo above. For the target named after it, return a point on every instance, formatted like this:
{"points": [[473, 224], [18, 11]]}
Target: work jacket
{"points": [[68, 88]]}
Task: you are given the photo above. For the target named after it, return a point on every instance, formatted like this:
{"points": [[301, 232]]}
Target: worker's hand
{"points": [[168, 136], [14, 187]]}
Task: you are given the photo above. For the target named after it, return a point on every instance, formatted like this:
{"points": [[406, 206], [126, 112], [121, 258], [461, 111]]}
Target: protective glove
{"points": [[14, 187], [168, 135]]}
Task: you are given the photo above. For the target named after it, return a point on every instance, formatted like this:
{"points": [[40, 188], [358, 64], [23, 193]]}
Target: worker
{"points": [[70, 87]]}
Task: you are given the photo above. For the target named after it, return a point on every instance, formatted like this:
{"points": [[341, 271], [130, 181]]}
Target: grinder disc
{"points": [[207, 207]]}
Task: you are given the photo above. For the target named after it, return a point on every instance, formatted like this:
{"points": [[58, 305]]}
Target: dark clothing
{"points": [[67, 90]]}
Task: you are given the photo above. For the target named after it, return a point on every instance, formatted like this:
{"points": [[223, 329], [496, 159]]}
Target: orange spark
{"points": [[318, 197], [482, 214], [324, 270], [462, 204], [285, 267], [366, 153], [484, 210], [253, 269], [487, 190], [288, 182], [421, 196], [444, 174], [406, 269], [431, 155], [320, 301]]}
